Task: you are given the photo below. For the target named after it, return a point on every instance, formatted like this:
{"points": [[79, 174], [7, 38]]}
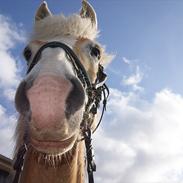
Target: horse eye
{"points": [[95, 52], [27, 53]]}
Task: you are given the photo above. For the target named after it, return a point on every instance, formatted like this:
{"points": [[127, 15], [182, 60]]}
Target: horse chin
{"points": [[51, 147]]}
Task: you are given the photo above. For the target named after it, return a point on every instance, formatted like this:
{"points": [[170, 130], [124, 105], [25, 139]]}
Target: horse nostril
{"points": [[76, 97]]}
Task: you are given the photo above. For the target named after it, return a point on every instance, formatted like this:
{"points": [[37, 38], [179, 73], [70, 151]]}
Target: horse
{"points": [[59, 97]]}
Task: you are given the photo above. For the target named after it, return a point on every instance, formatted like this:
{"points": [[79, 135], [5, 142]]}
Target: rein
{"points": [[96, 92]]}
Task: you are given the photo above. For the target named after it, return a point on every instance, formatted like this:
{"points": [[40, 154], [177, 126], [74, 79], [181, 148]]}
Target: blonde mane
{"points": [[60, 26]]}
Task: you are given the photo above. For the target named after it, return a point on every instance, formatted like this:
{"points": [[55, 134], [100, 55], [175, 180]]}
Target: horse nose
{"points": [[75, 99], [47, 98]]}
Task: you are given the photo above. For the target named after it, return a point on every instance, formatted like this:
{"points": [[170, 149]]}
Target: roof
{"points": [[5, 163]]}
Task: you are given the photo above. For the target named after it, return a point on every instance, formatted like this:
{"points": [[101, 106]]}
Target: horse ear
{"points": [[42, 12], [88, 11]]}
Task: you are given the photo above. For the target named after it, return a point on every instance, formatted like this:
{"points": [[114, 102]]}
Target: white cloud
{"points": [[9, 94], [7, 127], [134, 79], [9, 33], [130, 62], [9, 37], [126, 61], [141, 141]]}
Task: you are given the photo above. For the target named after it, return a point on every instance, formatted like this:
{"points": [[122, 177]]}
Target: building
{"points": [[5, 168]]}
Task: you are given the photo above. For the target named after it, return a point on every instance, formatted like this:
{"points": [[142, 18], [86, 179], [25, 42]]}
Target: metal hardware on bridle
{"points": [[96, 92]]}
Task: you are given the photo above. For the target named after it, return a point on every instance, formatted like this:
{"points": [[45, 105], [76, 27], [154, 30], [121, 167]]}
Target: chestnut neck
{"points": [[70, 169]]}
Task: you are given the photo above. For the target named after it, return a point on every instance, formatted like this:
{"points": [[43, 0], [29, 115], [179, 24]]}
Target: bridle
{"points": [[96, 92]]}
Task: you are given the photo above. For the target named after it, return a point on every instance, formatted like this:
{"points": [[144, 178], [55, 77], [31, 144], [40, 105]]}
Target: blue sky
{"points": [[144, 116], [148, 31]]}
